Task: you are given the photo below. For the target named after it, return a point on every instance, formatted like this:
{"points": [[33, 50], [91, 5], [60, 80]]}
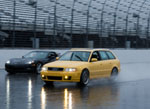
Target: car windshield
{"points": [[75, 56], [36, 54]]}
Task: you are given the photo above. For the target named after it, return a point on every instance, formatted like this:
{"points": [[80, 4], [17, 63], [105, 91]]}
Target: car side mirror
{"points": [[22, 57], [57, 58], [94, 60]]}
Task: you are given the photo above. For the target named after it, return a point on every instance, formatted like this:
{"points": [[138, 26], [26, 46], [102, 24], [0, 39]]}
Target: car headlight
{"points": [[71, 69], [8, 62], [44, 69], [30, 62]]}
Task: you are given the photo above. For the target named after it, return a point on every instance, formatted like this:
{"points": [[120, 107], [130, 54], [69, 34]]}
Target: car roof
{"points": [[88, 49]]}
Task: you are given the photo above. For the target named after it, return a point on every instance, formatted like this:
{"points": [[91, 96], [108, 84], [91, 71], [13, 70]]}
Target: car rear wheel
{"points": [[114, 73], [38, 68], [84, 79]]}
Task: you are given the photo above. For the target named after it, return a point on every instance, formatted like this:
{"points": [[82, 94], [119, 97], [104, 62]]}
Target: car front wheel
{"points": [[38, 68], [84, 79]]}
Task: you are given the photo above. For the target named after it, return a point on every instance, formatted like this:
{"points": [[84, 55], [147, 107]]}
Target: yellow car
{"points": [[81, 65]]}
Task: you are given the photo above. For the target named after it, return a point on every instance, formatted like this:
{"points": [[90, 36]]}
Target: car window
{"points": [[52, 54], [103, 55], [66, 57], [110, 55], [96, 55], [75, 56], [36, 54]]}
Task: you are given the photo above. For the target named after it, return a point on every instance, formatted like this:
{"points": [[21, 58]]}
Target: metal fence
{"points": [[75, 23]]}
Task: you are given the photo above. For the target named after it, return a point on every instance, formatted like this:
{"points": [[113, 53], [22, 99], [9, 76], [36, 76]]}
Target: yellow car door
{"points": [[105, 64], [95, 66]]}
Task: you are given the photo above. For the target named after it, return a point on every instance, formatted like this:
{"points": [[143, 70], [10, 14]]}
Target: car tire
{"points": [[114, 73], [49, 82], [84, 79], [38, 68]]}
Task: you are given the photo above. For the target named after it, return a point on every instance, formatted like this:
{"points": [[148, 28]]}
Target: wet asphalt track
{"points": [[131, 90]]}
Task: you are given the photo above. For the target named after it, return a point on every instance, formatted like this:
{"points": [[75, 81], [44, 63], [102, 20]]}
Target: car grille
{"points": [[55, 69], [54, 77]]}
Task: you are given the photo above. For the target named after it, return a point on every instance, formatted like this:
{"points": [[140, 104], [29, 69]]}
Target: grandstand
{"points": [[74, 23]]}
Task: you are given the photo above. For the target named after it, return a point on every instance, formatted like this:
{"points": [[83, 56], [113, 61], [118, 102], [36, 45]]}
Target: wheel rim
{"points": [[38, 68], [85, 78]]}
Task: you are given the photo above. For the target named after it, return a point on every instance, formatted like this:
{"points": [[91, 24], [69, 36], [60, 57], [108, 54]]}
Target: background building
{"points": [[75, 23]]}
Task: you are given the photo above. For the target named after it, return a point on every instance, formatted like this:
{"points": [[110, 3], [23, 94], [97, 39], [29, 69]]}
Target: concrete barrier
{"points": [[125, 56]]}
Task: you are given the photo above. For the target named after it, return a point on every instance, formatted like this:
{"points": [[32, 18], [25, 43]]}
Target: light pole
{"points": [[0, 22], [14, 24], [138, 19], [148, 27], [101, 21], [35, 21], [72, 18], [55, 24], [44, 25], [115, 17], [127, 20], [63, 29], [87, 24], [137, 26]]}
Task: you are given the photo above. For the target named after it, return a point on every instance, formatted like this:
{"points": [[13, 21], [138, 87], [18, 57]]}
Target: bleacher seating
{"points": [[45, 11], [25, 16]]}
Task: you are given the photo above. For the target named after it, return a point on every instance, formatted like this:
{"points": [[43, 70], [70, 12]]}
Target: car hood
{"points": [[66, 64], [21, 60]]}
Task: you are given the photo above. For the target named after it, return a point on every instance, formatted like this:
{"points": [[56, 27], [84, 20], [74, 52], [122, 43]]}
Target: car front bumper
{"points": [[19, 68], [60, 76]]}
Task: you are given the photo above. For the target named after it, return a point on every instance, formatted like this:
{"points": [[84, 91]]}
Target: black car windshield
{"points": [[75, 56], [36, 54]]}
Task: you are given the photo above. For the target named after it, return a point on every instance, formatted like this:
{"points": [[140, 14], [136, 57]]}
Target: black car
{"points": [[31, 62]]}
